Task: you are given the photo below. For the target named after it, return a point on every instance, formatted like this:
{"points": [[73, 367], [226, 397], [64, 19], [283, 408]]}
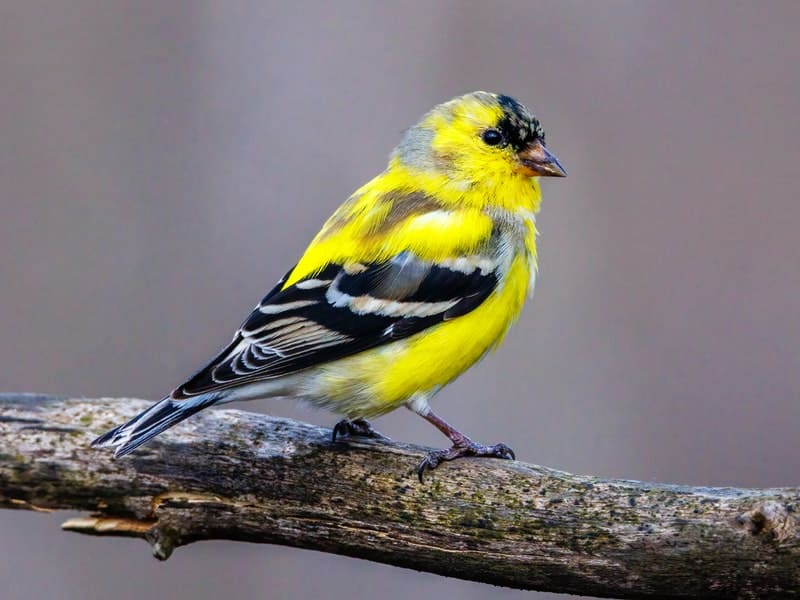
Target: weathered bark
{"points": [[234, 475]]}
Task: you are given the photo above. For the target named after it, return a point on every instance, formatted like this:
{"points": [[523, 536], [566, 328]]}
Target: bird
{"points": [[415, 278]]}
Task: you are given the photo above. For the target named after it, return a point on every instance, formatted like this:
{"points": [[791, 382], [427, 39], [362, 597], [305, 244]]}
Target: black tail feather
{"points": [[148, 424]]}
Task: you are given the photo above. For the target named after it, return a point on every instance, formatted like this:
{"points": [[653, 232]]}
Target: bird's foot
{"points": [[356, 428], [466, 448]]}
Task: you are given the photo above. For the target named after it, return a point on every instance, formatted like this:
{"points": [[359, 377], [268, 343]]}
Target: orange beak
{"points": [[536, 161]]}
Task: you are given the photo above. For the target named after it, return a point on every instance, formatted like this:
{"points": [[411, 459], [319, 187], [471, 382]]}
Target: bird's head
{"points": [[479, 137]]}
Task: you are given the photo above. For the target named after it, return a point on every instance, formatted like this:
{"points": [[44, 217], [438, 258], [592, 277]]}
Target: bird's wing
{"points": [[341, 310]]}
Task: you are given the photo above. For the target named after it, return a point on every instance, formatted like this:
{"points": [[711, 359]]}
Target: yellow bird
{"points": [[410, 282]]}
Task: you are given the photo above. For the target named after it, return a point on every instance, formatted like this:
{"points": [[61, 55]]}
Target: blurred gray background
{"points": [[163, 163]]}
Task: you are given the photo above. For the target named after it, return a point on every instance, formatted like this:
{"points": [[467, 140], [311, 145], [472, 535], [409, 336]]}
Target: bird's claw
{"points": [[356, 428], [437, 457]]}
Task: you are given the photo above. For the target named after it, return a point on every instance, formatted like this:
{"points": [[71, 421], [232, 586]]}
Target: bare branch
{"points": [[240, 476]]}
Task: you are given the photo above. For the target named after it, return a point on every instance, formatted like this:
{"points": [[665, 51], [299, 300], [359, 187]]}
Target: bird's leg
{"points": [[356, 428], [462, 445]]}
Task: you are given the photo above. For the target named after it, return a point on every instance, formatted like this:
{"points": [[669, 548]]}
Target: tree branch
{"points": [[234, 475]]}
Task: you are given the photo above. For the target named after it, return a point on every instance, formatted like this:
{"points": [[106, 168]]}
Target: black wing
{"points": [[343, 310]]}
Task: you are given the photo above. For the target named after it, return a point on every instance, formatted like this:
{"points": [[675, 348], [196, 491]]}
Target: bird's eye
{"points": [[492, 137]]}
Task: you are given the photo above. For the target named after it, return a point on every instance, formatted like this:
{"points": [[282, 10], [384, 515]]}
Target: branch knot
{"points": [[773, 520]]}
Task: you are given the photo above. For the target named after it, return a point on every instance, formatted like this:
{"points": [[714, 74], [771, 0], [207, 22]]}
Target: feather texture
{"points": [[346, 309], [412, 280]]}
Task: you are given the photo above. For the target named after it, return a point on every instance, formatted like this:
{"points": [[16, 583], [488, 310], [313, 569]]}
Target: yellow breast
{"points": [[365, 229]]}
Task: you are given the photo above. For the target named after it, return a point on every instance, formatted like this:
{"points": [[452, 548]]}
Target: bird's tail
{"points": [[149, 423]]}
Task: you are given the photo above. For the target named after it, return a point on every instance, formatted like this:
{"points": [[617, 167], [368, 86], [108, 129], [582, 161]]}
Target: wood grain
{"points": [[227, 474]]}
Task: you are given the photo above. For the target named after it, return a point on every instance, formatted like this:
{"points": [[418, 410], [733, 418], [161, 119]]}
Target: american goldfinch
{"points": [[410, 282]]}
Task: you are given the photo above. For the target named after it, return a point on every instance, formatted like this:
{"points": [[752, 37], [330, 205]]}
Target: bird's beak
{"points": [[536, 161]]}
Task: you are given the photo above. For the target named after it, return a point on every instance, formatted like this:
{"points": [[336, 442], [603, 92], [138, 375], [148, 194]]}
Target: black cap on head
{"points": [[518, 125]]}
